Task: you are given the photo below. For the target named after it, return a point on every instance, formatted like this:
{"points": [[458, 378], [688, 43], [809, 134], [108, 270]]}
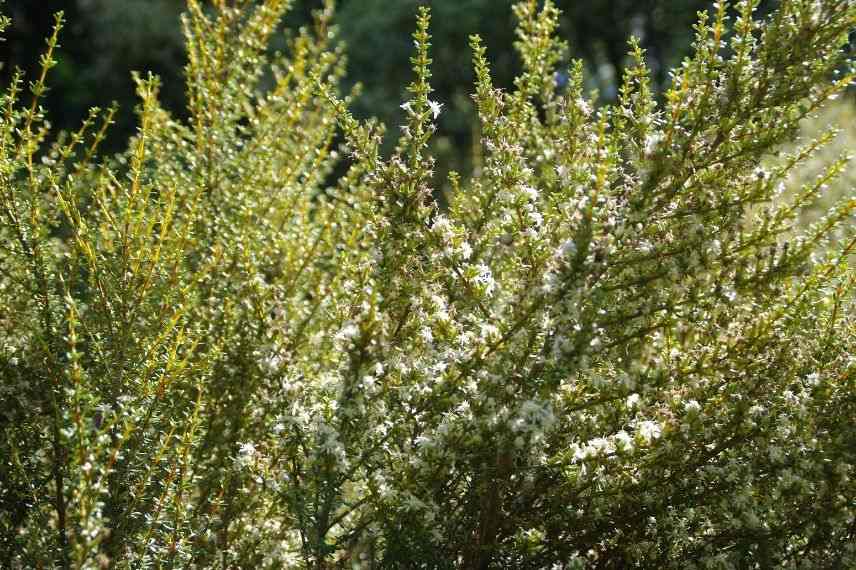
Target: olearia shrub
{"points": [[253, 341]]}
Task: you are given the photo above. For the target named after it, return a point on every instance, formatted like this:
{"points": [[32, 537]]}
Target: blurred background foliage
{"points": [[842, 116], [105, 40]]}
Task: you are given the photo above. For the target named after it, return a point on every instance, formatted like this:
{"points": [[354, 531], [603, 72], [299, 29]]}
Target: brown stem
{"points": [[59, 496]]}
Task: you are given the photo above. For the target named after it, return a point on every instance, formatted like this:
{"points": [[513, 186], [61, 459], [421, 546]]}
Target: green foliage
{"points": [[615, 347]]}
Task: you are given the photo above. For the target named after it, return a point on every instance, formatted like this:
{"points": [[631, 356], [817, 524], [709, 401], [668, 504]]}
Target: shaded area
{"points": [[104, 40]]}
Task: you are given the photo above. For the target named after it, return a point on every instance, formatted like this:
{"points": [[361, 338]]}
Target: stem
{"points": [[59, 497]]}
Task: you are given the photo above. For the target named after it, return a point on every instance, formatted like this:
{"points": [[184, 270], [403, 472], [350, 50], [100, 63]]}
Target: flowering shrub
{"points": [[614, 348]]}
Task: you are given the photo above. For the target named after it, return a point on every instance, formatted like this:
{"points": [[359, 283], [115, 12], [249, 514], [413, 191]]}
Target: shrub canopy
{"points": [[242, 344]]}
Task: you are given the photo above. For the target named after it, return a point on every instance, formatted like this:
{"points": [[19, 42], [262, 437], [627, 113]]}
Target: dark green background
{"points": [[105, 39]]}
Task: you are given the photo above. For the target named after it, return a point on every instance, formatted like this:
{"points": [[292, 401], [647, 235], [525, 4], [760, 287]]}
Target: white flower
{"points": [[407, 106], [730, 294], [530, 192], [633, 401], [624, 440], [550, 282], [348, 332], [715, 247], [602, 446], [488, 331], [443, 228], [435, 108], [246, 453], [485, 278], [581, 453], [271, 363], [568, 249], [692, 406], [651, 142], [649, 430]]}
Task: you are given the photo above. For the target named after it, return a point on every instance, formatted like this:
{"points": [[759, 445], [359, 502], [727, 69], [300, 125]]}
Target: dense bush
{"points": [[612, 349]]}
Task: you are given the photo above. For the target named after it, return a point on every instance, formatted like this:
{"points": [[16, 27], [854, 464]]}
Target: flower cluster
{"points": [[254, 341]]}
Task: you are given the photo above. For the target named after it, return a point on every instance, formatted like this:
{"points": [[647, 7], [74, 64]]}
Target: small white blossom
{"points": [[530, 192], [485, 279], [435, 108], [489, 331], [624, 440], [649, 430], [246, 453], [443, 228], [348, 332], [271, 363], [651, 143], [568, 249]]}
